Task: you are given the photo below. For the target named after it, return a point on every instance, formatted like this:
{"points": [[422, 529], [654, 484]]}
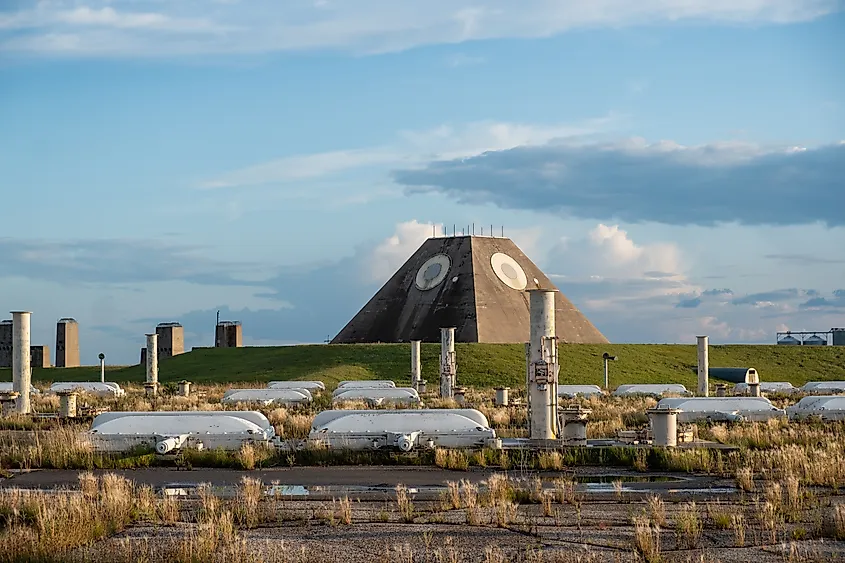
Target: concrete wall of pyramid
{"points": [[475, 284]]}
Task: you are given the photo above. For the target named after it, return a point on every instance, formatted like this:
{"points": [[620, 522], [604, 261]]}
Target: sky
{"points": [[677, 168]]}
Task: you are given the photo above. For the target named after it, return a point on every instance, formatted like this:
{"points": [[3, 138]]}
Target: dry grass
{"points": [[646, 539], [688, 526], [404, 503], [43, 527]]}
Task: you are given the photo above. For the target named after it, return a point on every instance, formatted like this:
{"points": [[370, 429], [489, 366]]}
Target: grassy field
{"points": [[482, 365]]}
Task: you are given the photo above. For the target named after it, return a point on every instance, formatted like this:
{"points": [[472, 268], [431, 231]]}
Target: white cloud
{"points": [[132, 27], [392, 252], [411, 148]]}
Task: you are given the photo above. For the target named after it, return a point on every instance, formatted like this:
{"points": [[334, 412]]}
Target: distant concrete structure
{"points": [[475, 284], [6, 343], [39, 356], [833, 337], [67, 343], [228, 334], [171, 340]]}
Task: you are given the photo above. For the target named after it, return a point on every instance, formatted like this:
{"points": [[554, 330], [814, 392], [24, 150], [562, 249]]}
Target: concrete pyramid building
{"points": [[475, 284]]}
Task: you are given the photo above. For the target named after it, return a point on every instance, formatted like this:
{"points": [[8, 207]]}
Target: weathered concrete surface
{"points": [[471, 298]]}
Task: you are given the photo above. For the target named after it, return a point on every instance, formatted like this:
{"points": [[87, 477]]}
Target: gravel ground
{"points": [[602, 532]]}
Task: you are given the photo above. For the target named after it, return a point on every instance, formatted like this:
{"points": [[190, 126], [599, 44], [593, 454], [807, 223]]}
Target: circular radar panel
{"points": [[432, 272], [508, 271]]}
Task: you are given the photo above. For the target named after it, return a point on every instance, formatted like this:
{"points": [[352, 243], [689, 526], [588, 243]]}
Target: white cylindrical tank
{"points": [[721, 390], [664, 426], [150, 389], [502, 398], [422, 386], [754, 389], [184, 388], [448, 366], [67, 404], [703, 365], [542, 326], [21, 367], [152, 358], [416, 365]]}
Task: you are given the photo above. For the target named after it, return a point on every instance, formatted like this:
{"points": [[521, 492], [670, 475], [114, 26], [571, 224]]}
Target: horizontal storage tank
{"points": [[651, 389], [734, 375], [402, 429], [575, 390], [731, 409], [267, 396], [367, 384], [766, 387], [98, 388], [377, 396], [6, 387], [168, 431], [826, 407], [312, 386], [824, 387]]}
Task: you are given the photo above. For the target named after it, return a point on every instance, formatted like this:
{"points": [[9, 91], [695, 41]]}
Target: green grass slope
{"points": [[483, 365]]}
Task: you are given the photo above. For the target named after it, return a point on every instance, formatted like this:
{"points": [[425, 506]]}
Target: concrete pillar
{"points": [[448, 366], [575, 420], [67, 404], [703, 366], [542, 327], [152, 358], [184, 388], [21, 366], [416, 365], [664, 426], [8, 403], [502, 399], [460, 395], [721, 390]]}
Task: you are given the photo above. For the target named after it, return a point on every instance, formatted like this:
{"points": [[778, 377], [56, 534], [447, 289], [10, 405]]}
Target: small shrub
{"points": [[406, 507], [688, 526]]}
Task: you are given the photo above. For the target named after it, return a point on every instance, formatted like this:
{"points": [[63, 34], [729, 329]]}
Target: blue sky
{"points": [[678, 167]]}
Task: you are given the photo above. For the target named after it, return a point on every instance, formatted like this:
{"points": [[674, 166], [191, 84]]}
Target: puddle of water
{"points": [[590, 479]]}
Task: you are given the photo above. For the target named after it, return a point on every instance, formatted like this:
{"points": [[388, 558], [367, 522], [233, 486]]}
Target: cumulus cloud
{"points": [[609, 252], [155, 28], [664, 182], [394, 251]]}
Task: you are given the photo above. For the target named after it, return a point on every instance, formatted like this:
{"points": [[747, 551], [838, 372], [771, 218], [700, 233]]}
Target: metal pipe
{"points": [[21, 360], [448, 366], [542, 328], [152, 358], [703, 366], [416, 365]]}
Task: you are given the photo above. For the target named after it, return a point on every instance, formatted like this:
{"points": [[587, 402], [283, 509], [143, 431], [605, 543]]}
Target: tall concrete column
{"points": [[21, 360], [448, 366], [152, 358], [703, 366], [416, 366], [542, 327]]}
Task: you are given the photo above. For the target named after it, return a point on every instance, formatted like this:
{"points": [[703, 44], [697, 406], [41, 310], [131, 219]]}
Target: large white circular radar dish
{"points": [[508, 271], [432, 272]]}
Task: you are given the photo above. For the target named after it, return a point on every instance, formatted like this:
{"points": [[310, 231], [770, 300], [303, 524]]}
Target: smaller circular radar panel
{"points": [[508, 271], [433, 272]]}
